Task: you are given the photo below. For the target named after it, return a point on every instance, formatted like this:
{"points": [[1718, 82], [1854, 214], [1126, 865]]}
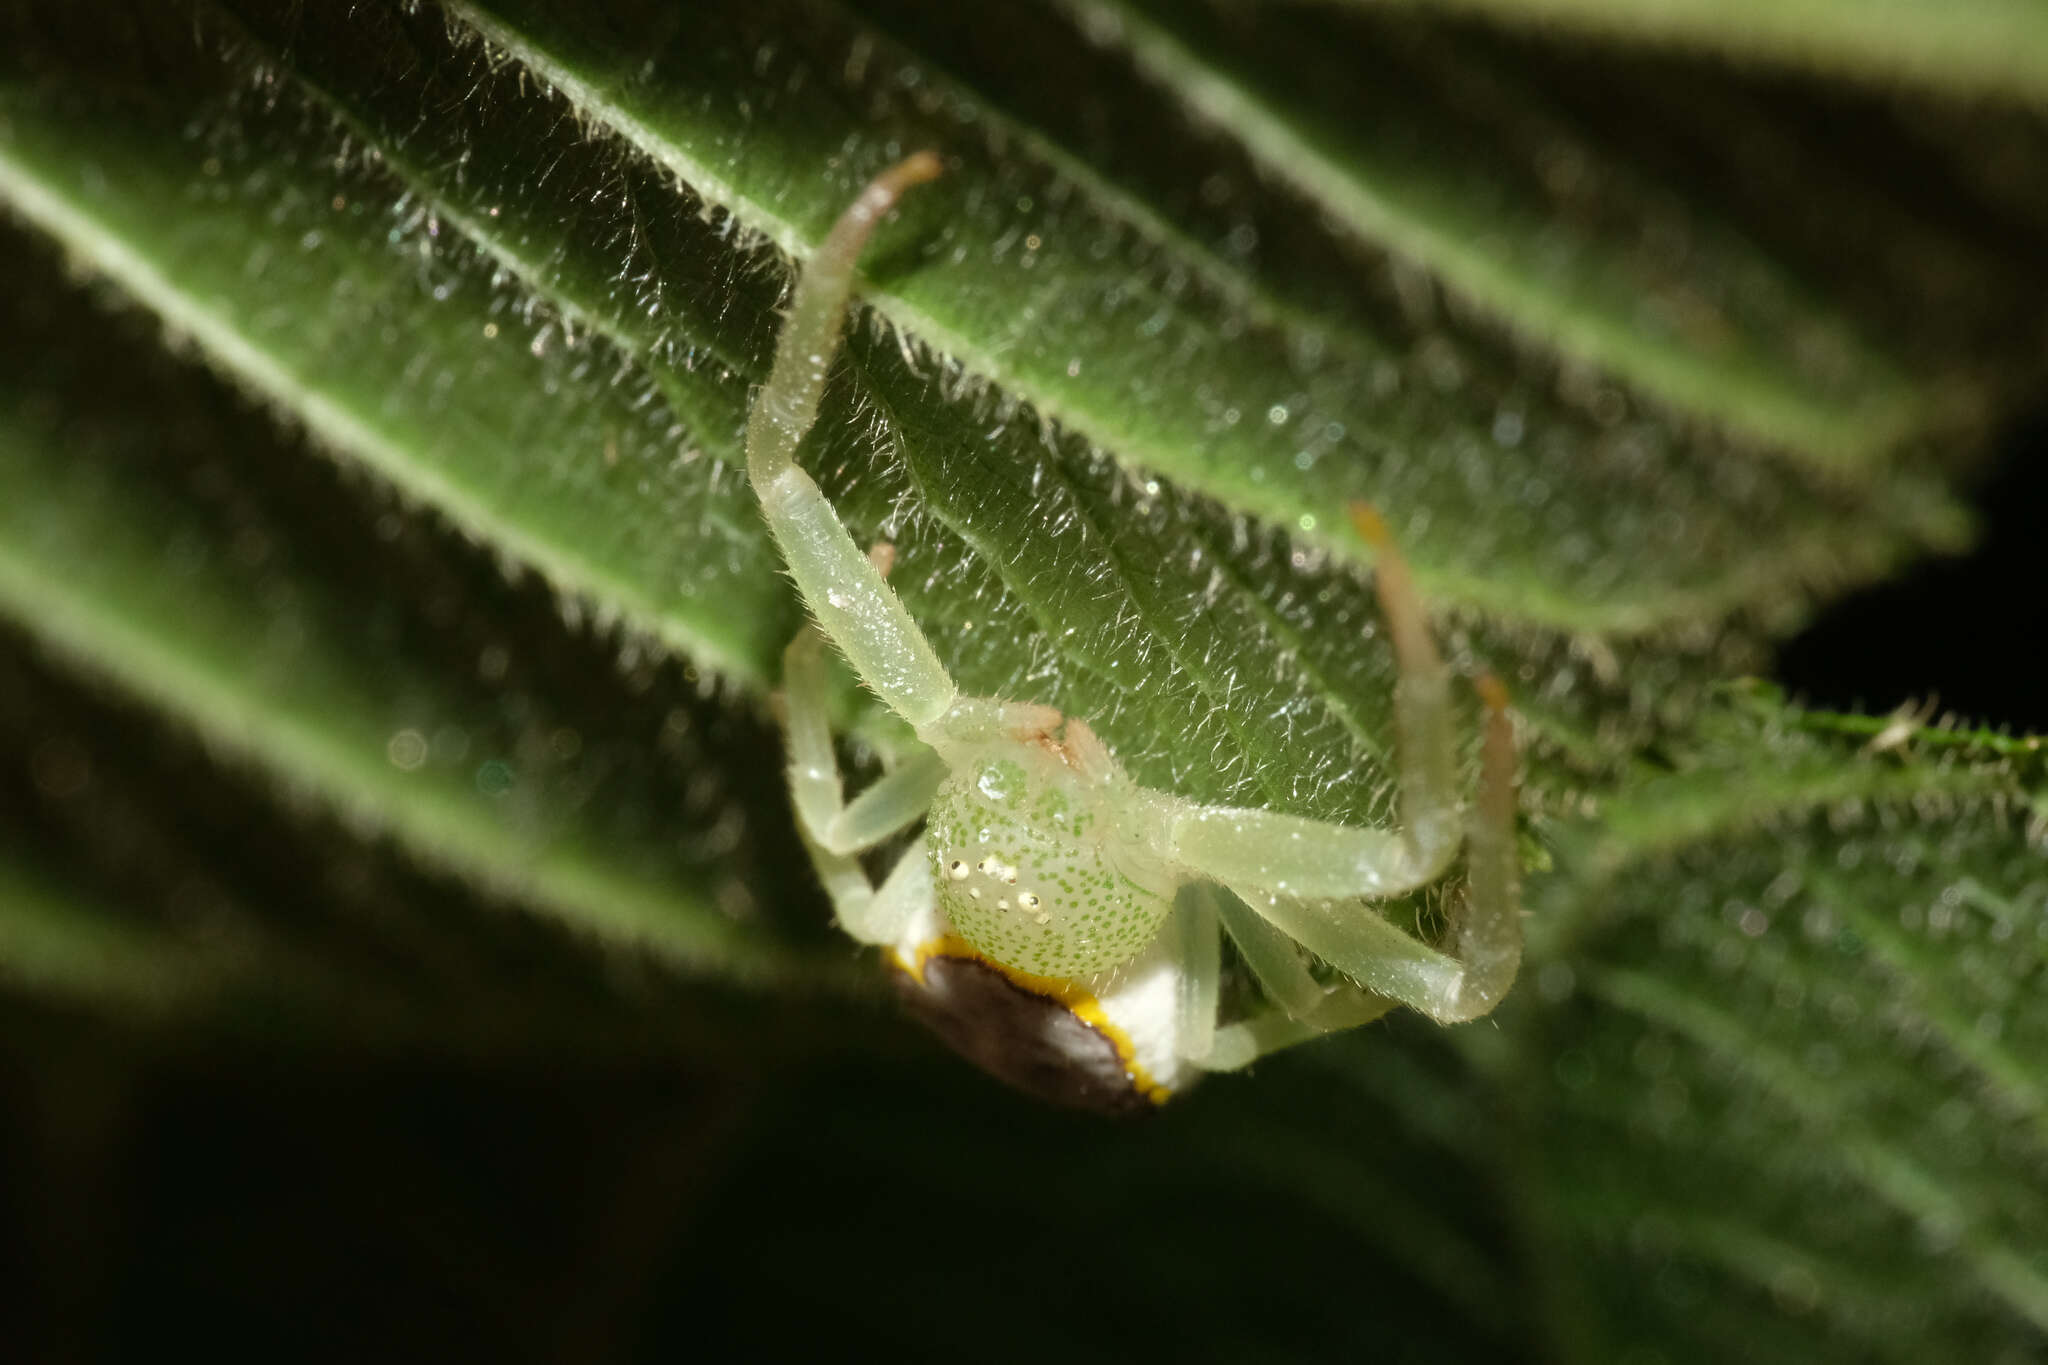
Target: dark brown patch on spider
{"points": [[1028, 1041]]}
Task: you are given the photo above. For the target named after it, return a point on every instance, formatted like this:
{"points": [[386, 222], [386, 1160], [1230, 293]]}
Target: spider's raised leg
{"points": [[834, 830], [841, 585]]}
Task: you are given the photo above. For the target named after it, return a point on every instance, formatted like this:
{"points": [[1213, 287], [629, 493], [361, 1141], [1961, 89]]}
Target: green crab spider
{"points": [[1055, 921]]}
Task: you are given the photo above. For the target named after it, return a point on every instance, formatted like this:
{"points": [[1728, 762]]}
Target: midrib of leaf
{"points": [[1893, 731], [1967, 46], [1488, 241], [1463, 547]]}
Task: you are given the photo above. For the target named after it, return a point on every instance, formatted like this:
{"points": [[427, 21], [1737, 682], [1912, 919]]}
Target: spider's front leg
{"points": [[842, 587]]}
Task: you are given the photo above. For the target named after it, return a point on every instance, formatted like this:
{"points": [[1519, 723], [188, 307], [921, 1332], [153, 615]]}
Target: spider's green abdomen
{"points": [[1027, 874]]}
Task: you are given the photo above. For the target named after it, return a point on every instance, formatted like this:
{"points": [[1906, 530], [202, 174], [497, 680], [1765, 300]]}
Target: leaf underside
{"points": [[1967, 46], [370, 399]]}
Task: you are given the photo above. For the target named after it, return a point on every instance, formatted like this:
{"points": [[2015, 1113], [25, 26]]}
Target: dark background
{"points": [[1972, 632]]}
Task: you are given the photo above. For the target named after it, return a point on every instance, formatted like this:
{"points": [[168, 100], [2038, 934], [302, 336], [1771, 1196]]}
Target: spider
{"points": [[1055, 921]]}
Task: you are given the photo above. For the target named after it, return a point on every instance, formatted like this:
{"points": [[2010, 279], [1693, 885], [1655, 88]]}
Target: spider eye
{"points": [[957, 870], [1026, 901]]}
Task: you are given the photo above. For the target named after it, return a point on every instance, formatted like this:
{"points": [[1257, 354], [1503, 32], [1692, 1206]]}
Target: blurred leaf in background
{"points": [[403, 939]]}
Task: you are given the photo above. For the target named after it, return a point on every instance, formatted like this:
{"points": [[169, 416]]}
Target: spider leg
{"points": [[1244, 1042], [894, 802], [834, 830], [876, 915], [1316, 859], [1313, 880], [1483, 947], [1303, 1008], [1487, 936], [1196, 948], [1245, 846], [1271, 955], [1423, 720], [1486, 927], [1355, 937], [843, 588]]}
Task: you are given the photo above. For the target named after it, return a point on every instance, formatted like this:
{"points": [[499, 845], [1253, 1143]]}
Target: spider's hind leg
{"points": [[1241, 1043], [1486, 928], [1301, 1008]]}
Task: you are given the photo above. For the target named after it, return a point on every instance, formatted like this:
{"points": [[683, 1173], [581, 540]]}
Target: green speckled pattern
{"points": [[1028, 872]]}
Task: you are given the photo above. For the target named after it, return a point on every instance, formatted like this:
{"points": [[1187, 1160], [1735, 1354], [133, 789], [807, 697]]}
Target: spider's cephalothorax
{"points": [[1057, 922], [1031, 861]]}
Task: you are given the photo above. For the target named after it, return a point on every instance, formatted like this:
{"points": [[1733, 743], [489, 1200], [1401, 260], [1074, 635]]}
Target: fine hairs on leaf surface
{"points": [[390, 631]]}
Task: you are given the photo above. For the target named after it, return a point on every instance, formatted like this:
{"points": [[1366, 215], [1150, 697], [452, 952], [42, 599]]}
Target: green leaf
{"points": [[1534, 219], [160, 540], [507, 273], [328, 269], [1995, 46], [1286, 710], [1048, 284], [1805, 991]]}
